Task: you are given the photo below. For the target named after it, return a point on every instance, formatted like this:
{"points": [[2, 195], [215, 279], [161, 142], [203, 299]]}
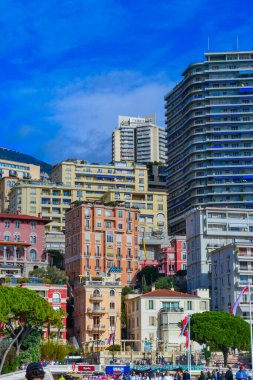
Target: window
{"points": [[109, 237], [120, 226], [141, 180], [6, 237], [16, 237], [99, 223], [112, 293], [108, 224], [112, 321], [203, 305], [189, 305], [33, 225], [108, 212], [151, 305], [141, 188], [120, 214], [87, 223], [141, 172], [97, 250], [96, 293], [87, 212], [97, 264], [99, 212], [17, 224], [32, 255], [56, 298], [32, 239], [118, 251], [160, 207], [7, 224], [112, 305], [151, 321]]}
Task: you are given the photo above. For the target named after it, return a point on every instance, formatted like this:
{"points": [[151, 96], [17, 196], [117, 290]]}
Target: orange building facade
{"points": [[101, 239], [97, 315]]}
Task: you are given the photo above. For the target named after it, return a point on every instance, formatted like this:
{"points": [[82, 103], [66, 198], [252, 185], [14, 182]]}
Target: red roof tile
{"points": [[23, 217], [168, 293]]}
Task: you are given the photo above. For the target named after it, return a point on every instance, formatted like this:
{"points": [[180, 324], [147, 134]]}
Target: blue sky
{"points": [[68, 68]]}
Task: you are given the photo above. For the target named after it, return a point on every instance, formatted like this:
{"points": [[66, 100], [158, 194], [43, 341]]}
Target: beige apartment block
{"points": [[10, 173], [98, 312], [94, 180], [49, 199], [125, 183], [121, 182]]}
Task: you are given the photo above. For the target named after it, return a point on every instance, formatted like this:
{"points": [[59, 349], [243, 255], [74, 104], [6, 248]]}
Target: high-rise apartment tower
{"points": [[138, 139], [209, 117]]}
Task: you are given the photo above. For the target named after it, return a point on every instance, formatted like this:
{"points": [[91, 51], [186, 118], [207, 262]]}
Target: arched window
{"points": [[8, 183], [96, 293], [32, 255], [32, 239], [160, 216], [112, 293], [7, 236], [56, 298], [112, 305]]}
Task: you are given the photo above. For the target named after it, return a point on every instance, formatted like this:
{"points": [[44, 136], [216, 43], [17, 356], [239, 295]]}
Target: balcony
{"points": [[96, 328], [94, 298], [98, 310]]}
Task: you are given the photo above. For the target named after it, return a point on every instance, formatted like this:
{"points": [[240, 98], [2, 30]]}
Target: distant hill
{"points": [[12, 155]]}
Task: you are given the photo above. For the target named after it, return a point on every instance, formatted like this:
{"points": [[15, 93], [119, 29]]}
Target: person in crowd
{"points": [[228, 374], [186, 375], [202, 376], [167, 376], [241, 374], [35, 371]]}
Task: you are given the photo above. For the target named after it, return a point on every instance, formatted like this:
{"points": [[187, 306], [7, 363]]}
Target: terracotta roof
{"points": [[168, 294], [23, 217]]}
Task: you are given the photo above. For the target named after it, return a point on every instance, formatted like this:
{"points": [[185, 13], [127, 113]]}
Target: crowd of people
{"points": [[241, 374]]}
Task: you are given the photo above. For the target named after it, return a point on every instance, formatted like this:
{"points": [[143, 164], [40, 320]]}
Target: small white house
{"points": [[154, 317]]}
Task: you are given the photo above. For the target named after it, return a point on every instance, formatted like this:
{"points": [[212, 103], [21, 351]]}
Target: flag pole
{"points": [[250, 322], [189, 346]]}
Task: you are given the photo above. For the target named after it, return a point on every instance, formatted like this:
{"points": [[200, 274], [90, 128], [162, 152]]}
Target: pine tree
{"points": [[144, 286]]}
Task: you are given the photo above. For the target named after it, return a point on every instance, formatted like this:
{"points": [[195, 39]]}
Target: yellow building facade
{"points": [[77, 180], [10, 173]]}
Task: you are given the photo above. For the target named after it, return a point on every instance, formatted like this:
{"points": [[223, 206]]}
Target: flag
{"points": [[234, 307], [111, 338], [185, 323], [186, 334]]}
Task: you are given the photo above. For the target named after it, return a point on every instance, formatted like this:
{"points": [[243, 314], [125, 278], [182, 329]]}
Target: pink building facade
{"points": [[173, 257], [22, 244]]}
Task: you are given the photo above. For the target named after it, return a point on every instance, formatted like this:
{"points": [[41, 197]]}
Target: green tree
{"points": [[165, 283], [144, 287], [150, 272], [55, 275], [58, 258], [22, 311], [220, 331], [53, 350], [126, 290]]}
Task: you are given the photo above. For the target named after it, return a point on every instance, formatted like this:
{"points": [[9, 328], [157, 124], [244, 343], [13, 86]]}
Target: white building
{"points": [[138, 139], [207, 229], [232, 270], [154, 317]]}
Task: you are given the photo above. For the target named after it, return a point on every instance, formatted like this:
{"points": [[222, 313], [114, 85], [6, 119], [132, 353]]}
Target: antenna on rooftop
{"points": [[237, 43], [208, 43]]}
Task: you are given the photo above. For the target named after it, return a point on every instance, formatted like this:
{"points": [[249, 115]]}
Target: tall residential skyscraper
{"points": [[138, 139], [209, 117]]}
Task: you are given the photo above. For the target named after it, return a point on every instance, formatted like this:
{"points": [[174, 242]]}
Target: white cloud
{"points": [[87, 112]]}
